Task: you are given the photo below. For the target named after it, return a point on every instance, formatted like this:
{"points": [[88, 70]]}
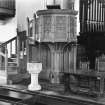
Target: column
{"points": [[102, 85], [75, 58], [18, 49], [55, 66], [52, 67]]}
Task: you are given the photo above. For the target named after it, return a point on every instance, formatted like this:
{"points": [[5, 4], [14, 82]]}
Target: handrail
{"points": [[3, 44]]}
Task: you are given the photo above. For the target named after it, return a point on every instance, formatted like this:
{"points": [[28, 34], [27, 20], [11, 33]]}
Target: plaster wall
{"points": [[8, 29], [26, 8]]}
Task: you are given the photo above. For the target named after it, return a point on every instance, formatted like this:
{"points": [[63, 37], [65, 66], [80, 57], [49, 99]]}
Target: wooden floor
{"points": [[20, 95]]}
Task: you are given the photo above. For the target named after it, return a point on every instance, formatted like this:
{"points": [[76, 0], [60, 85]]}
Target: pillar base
{"points": [[54, 78], [34, 87]]}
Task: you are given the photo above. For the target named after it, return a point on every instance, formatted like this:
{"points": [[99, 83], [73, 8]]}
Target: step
{"points": [[12, 63], [9, 60], [13, 55], [12, 59], [12, 72]]}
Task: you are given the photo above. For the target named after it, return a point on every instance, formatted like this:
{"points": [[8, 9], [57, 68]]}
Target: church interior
{"points": [[57, 56]]}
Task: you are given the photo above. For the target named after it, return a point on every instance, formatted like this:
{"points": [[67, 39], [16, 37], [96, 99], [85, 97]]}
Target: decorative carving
{"points": [[60, 28], [57, 26]]}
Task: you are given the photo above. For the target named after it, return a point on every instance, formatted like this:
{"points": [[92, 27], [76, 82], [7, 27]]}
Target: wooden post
{"points": [[23, 49], [52, 67], [27, 41], [16, 46], [102, 85], [34, 26], [10, 48], [75, 58], [56, 57], [6, 63], [18, 50]]}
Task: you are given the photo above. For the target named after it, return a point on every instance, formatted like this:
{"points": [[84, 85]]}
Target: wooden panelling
{"points": [[7, 8], [9, 4], [70, 54]]}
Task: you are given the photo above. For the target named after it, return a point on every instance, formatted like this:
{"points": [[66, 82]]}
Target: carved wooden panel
{"points": [[72, 28], [60, 28], [47, 26]]}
